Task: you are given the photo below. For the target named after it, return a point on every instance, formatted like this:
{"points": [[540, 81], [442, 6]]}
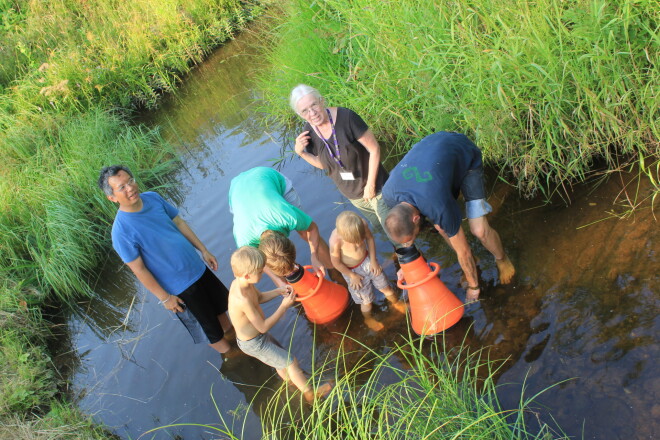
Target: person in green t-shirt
{"points": [[262, 199]]}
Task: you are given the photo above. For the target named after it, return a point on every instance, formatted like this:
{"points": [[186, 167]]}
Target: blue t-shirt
{"points": [[429, 177], [256, 197], [152, 235]]}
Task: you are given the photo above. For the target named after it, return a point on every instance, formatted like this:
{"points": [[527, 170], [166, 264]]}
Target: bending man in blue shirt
{"points": [[159, 247], [427, 183]]}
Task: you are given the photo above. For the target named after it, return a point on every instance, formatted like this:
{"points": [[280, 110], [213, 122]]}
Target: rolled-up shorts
{"points": [[206, 298], [365, 294], [266, 348], [474, 194]]}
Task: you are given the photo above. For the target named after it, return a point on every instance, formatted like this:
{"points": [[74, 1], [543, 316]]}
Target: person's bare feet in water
{"points": [[506, 270], [472, 295], [399, 306], [373, 324], [320, 393]]}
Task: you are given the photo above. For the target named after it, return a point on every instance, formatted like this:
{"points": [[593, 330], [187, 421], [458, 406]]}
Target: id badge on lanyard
{"points": [[335, 155], [346, 175]]}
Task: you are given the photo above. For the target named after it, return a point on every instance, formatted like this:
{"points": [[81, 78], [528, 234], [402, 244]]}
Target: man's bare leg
{"points": [[225, 322], [489, 237], [222, 346]]}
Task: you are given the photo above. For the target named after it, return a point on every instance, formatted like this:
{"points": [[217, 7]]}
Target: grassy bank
{"points": [[546, 88], [71, 74]]}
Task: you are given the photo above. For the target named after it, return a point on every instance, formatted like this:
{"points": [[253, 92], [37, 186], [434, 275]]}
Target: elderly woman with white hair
{"points": [[337, 140]]}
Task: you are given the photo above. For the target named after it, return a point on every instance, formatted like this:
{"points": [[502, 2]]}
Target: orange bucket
{"points": [[433, 307], [322, 300]]}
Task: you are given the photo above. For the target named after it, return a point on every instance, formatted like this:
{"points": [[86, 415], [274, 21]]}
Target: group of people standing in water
{"points": [[161, 248]]}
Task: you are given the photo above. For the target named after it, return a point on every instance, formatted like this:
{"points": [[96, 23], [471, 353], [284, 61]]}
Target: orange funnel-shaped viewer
{"points": [[433, 307], [322, 300]]}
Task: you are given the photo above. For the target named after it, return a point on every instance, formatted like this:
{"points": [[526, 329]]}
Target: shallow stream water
{"points": [[584, 307]]}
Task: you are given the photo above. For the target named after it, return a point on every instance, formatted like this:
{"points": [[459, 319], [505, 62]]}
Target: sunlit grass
{"points": [[417, 390], [69, 54], [57, 224], [71, 73], [544, 87]]}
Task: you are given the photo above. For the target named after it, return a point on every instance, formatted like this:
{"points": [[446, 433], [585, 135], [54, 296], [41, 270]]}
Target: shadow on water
{"points": [[584, 305]]}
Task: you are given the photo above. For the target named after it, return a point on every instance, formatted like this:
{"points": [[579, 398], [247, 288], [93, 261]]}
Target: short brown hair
{"points": [[399, 222], [280, 252], [247, 260], [350, 227]]}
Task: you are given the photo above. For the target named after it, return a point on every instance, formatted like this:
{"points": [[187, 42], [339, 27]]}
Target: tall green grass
{"points": [[546, 88], [56, 220], [66, 53], [414, 391], [71, 74]]}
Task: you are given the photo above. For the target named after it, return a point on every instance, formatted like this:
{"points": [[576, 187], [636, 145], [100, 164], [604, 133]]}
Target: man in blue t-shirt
{"points": [[159, 247], [427, 183]]}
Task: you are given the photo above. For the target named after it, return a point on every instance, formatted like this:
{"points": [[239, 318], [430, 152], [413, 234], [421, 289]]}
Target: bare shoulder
{"points": [[238, 295]]}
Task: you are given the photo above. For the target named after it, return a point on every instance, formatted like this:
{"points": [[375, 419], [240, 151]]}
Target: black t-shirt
{"points": [[349, 127]]}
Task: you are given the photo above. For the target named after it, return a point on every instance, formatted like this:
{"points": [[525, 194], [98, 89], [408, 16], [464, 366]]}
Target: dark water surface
{"points": [[584, 306]]}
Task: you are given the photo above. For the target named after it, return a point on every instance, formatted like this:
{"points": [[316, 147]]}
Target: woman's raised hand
{"points": [[301, 142]]}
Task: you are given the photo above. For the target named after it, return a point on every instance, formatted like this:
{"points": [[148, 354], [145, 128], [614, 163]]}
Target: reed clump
{"points": [[546, 88], [417, 390]]}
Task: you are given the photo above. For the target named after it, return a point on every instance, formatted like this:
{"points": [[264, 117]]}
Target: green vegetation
{"points": [[546, 88], [71, 74], [434, 392]]}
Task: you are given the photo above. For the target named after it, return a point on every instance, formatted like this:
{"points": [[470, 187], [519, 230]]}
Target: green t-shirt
{"points": [[256, 197]]}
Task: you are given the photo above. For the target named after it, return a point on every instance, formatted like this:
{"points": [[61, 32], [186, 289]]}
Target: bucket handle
{"points": [[314, 290], [434, 272]]}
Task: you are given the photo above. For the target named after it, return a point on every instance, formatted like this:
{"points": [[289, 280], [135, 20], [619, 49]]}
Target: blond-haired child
{"points": [[353, 253], [252, 326]]}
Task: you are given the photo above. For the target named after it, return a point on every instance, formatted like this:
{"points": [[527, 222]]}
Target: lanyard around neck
{"points": [[335, 155]]}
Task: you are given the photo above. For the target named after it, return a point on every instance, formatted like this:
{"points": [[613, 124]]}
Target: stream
{"points": [[583, 310]]}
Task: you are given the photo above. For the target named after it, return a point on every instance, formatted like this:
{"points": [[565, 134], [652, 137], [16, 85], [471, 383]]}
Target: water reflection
{"points": [[584, 305]]}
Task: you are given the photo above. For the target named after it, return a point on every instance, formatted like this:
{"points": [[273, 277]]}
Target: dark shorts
{"points": [[206, 298], [474, 194]]}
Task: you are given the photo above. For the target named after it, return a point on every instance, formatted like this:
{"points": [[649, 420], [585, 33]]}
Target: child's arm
{"points": [[376, 269], [270, 294], [354, 279], [257, 319]]}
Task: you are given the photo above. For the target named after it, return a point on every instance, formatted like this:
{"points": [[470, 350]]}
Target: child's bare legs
{"points": [[294, 374], [368, 319], [399, 306]]}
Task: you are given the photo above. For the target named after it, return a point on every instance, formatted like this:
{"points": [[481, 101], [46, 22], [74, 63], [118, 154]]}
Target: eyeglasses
{"points": [[122, 188], [316, 107]]}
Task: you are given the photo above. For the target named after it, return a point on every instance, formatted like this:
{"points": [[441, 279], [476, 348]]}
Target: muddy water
{"points": [[583, 309]]}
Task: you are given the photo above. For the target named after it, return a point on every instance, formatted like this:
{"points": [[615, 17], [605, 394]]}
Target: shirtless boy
{"points": [[353, 253], [252, 326]]}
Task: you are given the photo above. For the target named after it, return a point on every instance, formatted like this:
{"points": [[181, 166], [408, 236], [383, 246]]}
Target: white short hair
{"points": [[299, 91]]}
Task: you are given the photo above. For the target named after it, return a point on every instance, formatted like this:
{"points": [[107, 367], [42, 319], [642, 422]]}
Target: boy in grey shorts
{"points": [[252, 326], [353, 253]]}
